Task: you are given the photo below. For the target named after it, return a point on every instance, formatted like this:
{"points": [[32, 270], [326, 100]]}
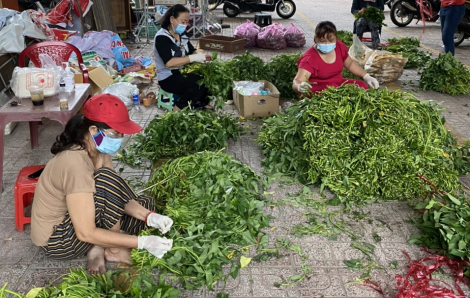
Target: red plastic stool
{"points": [[24, 193]]}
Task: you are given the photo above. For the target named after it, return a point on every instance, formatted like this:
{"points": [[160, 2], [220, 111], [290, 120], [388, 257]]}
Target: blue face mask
{"points": [[106, 144], [326, 48], [180, 29]]}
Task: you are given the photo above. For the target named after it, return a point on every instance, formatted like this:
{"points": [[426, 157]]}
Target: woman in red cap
{"points": [[81, 205]]}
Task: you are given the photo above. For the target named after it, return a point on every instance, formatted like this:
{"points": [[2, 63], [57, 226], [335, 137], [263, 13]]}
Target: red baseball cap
{"points": [[109, 109]]}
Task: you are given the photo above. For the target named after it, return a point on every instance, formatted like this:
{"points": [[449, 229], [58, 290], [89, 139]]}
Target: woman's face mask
{"points": [[106, 144], [326, 48], [180, 28]]}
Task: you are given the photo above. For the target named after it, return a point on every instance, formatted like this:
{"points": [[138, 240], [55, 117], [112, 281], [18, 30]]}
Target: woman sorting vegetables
{"points": [[172, 50], [322, 64], [81, 205]]}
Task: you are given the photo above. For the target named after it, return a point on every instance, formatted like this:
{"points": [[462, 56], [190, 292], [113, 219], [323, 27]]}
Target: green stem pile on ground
{"points": [[216, 207], [128, 283], [345, 36], [218, 76], [445, 226], [408, 48], [176, 134], [446, 74], [364, 145]]}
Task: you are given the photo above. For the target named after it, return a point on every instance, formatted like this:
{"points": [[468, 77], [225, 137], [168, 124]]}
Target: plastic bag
{"points": [[250, 88], [385, 66], [272, 37], [359, 52], [121, 90], [121, 53], [295, 38], [249, 32], [24, 77]]}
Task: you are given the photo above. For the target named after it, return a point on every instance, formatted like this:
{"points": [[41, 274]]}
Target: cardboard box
{"points": [[97, 77], [258, 105], [222, 43]]}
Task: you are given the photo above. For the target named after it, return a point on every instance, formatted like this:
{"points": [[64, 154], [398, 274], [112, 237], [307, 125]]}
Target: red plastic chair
{"points": [[24, 193], [60, 49]]}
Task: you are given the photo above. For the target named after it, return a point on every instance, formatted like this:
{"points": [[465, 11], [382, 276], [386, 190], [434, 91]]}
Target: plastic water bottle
{"points": [[136, 100]]}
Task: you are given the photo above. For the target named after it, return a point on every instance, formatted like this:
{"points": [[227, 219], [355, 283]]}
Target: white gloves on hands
{"points": [[161, 222], [155, 245], [201, 58], [371, 81], [303, 87]]}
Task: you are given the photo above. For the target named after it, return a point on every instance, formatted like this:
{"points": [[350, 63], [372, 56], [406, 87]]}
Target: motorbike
{"points": [[463, 29], [284, 8], [389, 3], [404, 11]]}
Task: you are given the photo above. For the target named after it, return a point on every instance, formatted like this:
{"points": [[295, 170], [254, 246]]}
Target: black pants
{"points": [[191, 94], [112, 195]]}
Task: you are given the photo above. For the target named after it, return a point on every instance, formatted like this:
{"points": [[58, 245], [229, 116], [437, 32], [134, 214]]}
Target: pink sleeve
{"points": [[343, 49], [303, 62]]}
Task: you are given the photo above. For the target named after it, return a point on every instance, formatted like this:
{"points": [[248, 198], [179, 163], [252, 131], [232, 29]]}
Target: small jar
{"points": [[63, 97]]}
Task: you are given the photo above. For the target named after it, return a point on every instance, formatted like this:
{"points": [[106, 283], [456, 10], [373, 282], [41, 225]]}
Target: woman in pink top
{"points": [[321, 66]]}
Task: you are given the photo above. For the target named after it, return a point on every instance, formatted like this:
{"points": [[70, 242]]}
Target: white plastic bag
{"points": [[359, 52], [122, 90], [23, 78]]}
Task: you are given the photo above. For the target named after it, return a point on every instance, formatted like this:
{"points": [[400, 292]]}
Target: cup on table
{"points": [[37, 95]]}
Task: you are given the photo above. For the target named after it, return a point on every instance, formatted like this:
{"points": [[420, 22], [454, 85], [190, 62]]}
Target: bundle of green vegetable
{"points": [[374, 15], [446, 74], [176, 134], [281, 71], [445, 225], [364, 144], [218, 76], [114, 284], [345, 36], [408, 48], [246, 67], [216, 206]]}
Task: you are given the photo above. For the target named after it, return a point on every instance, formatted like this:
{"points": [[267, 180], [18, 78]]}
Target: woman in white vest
{"points": [[172, 50]]}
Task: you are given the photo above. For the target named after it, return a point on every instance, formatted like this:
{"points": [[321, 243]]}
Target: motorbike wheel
{"points": [[230, 12], [399, 15], [287, 10], [213, 4], [459, 36]]}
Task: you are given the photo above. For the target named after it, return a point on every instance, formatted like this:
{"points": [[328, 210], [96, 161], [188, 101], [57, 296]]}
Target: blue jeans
{"points": [[450, 18]]}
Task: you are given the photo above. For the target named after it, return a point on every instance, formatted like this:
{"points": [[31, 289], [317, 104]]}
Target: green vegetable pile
{"points": [[216, 206], [114, 284], [364, 145], [446, 74], [281, 71], [345, 36], [445, 225], [408, 48], [218, 76], [374, 15], [176, 134]]}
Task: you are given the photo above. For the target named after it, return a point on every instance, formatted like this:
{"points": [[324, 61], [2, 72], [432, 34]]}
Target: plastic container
{"points": [[136, 100], [37, 95], [63, 96]]}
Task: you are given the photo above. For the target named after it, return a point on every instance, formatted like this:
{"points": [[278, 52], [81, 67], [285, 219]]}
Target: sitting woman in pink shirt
{"points": [[321, 66]]}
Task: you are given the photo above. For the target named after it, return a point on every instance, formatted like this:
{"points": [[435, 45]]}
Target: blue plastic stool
{"points": [[170, 99]]}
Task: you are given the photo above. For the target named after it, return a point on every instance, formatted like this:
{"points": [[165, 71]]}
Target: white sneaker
{"points": [[438, 21]]}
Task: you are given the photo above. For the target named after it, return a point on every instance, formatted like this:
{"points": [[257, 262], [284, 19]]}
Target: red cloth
{"points": [[326, 74], [446, 3]]}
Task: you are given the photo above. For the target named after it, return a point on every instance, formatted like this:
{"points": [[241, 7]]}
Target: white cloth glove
{"points": [[371, 81], [155, 245], [201, 58], [161, 222], [303, 87]]}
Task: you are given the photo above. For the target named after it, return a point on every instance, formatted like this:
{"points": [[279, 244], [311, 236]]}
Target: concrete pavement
{"points": [[24, 266]]}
